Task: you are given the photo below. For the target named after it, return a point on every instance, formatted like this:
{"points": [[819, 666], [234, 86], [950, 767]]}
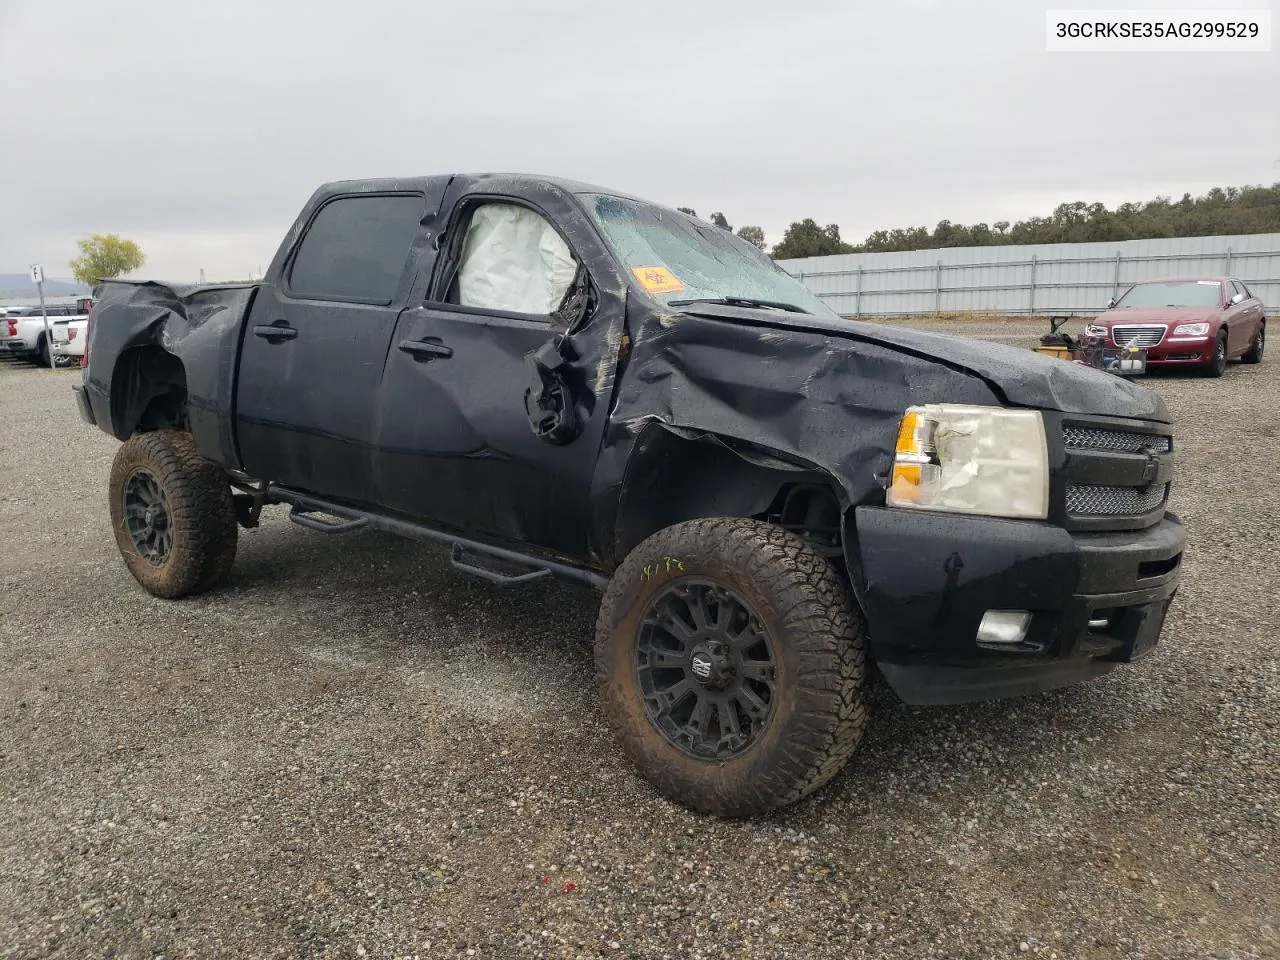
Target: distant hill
{"points": [[20, 285]]}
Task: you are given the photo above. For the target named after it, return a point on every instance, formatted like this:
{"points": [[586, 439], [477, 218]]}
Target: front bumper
{"points": [[1186, 352], [927, 579]]}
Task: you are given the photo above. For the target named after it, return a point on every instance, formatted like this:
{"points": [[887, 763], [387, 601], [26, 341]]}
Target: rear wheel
{"points": [[1218, 361], [731, 659], [172, 513], [1259, 343]]}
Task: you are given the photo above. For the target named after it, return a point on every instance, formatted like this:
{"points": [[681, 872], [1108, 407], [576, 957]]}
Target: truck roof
{"points": [[381, 184]]}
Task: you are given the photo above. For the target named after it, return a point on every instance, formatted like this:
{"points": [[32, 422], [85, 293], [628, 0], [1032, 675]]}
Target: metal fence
{"points": [[1046, 278]]}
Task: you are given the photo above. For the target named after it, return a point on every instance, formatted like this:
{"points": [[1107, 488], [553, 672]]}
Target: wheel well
{"points": [[671, 478], [810, 510], [148, 391]]}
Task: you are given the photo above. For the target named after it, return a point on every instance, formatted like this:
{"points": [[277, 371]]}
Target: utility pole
{"points": [[37, 277]]}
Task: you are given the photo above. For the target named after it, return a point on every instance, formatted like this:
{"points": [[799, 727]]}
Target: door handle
{"points": [[428, 349], [276, 332]]}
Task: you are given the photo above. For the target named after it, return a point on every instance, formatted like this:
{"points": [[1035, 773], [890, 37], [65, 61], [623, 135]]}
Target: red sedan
{"points": [[1197, 322]]}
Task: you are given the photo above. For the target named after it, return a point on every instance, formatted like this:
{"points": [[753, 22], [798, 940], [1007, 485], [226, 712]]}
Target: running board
{"points": [[463, 552], [307, 518], [457, 557]]}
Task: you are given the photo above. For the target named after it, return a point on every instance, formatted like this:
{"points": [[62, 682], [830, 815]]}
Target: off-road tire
{"points": [[200, 510], [818, 638], [1217, 364], [1259, 343]]}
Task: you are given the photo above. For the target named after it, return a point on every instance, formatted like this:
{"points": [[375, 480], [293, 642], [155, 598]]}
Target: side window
{"points": [[356, 249], [513, 261]]}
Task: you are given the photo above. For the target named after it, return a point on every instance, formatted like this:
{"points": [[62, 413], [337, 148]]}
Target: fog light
{"points": [[1004, 626]]}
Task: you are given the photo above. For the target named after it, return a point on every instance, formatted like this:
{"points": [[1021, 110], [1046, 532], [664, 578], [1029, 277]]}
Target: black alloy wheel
{"points": [[730, 660], [146, 515], [172, 514], [706, 669]]}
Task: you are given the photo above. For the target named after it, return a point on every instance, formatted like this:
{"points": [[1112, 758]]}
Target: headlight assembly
{"points": [[968, 459], [1191, 330]]}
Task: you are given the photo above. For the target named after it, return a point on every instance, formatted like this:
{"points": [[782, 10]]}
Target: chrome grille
{"points": [[1138, 336], [1113, 441], [1088, 500]]}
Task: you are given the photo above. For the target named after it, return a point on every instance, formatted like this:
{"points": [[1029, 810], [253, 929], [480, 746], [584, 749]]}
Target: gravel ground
{"points": [[352, 751]]}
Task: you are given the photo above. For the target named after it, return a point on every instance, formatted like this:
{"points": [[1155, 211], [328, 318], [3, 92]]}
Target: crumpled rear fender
{"points": [[149, 339]]}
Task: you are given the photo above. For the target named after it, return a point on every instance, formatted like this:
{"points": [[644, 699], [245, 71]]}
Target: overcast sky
{"points": [[199, 128]]}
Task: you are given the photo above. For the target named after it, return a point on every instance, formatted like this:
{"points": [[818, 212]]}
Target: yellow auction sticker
{"points": [[657, 280]]}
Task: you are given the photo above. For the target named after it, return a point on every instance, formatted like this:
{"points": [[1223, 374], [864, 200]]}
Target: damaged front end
{"points": [[733, 404]]}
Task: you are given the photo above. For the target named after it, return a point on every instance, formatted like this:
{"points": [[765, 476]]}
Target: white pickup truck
{"points": [[22, 332], [70, 334]]}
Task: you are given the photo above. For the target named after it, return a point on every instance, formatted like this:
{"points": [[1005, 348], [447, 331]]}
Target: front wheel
{"points": [[731, 659], [1218, 361], [172, 513], [1259, 343]]}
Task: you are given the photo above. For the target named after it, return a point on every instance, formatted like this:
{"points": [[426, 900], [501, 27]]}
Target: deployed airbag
{"points": [[512, 259]]}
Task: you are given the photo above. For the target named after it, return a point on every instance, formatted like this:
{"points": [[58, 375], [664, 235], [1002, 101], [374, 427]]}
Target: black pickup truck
{"points": [[556, 379]]}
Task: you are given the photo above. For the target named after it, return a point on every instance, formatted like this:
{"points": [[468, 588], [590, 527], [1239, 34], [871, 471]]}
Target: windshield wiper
{"points": [[742, 302]]}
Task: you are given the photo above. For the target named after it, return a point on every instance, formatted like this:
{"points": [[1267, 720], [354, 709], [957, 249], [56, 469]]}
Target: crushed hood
{"points": [[1020, 376]]}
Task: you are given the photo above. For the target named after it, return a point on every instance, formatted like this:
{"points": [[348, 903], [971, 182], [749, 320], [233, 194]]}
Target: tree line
{"points": [[1221, 211]]}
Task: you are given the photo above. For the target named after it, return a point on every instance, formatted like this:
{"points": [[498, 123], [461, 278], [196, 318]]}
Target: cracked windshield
{"points": [[679, 260]]}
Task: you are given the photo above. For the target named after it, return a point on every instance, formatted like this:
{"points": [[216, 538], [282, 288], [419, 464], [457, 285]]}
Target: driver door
{"points": [[456, 444]]}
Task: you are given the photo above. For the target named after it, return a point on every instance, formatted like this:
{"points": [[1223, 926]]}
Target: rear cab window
{"points": [[356, 249]]}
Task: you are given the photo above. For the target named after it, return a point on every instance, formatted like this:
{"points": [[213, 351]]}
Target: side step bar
{"points": [[308, 519], [462, 552]]}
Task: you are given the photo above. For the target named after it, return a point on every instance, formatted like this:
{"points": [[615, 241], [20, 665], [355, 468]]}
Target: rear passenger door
{"points": [[316, 340], [1239, 319], [1255, 314]]}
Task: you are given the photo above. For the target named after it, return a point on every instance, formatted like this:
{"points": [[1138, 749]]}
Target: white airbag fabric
{"points": [[513, 260]]}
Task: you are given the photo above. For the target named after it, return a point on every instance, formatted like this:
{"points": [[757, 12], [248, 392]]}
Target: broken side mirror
{"points": [[1111, 303], [548, 402], [577, 303]]}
